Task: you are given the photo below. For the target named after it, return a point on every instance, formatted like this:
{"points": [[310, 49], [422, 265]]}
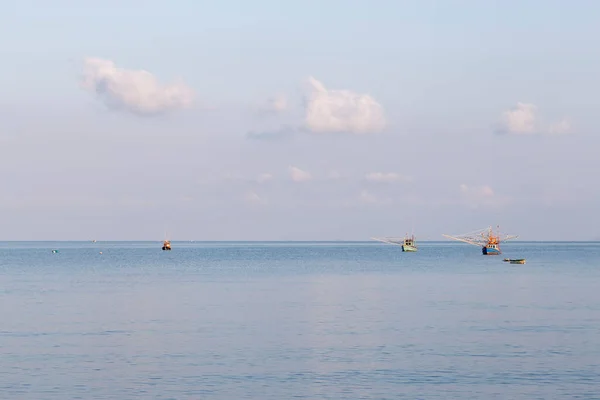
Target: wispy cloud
{"points": [[298, 175], [366, 197], [254, 198], [136, 91], [561, 127], [484, 195], [524, 119], [477, 191], [387, 177], [274, 105], [262, 178]]}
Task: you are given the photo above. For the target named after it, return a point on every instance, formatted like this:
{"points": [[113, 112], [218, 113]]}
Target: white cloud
{"points": [[388, 177], [299, 175], [136, 91], [262, 178], [327, 111], [335, 111], [520, 119], [524, 120]]}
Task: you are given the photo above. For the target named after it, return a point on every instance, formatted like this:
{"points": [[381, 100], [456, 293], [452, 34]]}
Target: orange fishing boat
{"points": [[486, 238]]}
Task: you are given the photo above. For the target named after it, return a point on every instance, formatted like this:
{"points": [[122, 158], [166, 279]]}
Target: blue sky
{"points": [[269, 120]]}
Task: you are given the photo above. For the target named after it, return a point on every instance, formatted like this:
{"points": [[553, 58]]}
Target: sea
{"points": [[298, 320]]}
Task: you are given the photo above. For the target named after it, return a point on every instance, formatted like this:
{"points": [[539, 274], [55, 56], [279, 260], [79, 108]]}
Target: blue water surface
{"points": [[298, 321]]}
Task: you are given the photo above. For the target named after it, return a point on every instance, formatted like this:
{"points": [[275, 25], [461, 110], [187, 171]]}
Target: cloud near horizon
{"points": [[136, 91], [524, 120]]}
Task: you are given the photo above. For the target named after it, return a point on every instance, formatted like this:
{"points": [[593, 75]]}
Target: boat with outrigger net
{"points": [[407, 243], [486, 238]]}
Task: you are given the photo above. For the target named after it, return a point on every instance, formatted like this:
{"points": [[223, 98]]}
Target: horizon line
{"points": [[281, 241]]}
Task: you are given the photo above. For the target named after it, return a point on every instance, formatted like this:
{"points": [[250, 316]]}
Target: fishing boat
{"points": [[407, 243], [485, 238], [515, 260], [166, 245]]}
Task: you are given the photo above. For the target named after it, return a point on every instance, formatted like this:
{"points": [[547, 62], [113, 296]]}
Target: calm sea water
{"points": [[298, 320]]}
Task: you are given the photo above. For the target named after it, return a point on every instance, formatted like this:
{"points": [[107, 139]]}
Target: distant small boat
{"points": [[54, 251], [515, 260], [407, 243], [166, 245]]}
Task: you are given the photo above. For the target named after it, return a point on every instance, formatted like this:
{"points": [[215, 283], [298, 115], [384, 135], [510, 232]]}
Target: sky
{"points": [[298, 120]]}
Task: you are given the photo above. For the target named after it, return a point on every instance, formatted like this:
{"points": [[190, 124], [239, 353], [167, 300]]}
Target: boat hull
{"points": [[487, 251], [409, 248], [515, 261]]}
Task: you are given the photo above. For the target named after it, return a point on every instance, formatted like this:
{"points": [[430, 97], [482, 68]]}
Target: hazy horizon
{"points": [[299, 120], [285, 241]]}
